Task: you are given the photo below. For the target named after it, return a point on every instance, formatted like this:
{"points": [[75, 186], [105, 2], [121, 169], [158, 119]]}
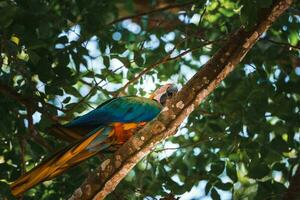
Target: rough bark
{"points": [[104, 180]]}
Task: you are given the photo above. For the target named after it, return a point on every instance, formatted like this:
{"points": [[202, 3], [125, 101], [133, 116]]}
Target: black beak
{"points": [[171, 91]]}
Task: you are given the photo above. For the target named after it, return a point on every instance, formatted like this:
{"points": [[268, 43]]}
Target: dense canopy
{"points": [[61, 59]]}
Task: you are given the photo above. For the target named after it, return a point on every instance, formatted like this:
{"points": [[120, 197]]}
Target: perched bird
{"points": [[111, 123]]}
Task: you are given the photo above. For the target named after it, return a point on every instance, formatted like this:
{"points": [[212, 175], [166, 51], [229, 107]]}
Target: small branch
{"points": [[22, 154], [162, 61], [189, 145], [151, 12], [93, 88], [105, 179], [202, 15], [34, 133], [294, 11], [169, 197], [283, 44], [83, 98]]}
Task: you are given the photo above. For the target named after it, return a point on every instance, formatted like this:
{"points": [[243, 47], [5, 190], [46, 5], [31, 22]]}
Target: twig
{"points": [[283, 44], [188, 145], [22, 154], [34, 133], [294, 11], [151, 12], [83, 98], [202, 15], [162, 61], [45, 104]]}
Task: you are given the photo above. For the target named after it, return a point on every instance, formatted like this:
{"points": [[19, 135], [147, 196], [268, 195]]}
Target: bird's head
{"points": [[164, 92]]}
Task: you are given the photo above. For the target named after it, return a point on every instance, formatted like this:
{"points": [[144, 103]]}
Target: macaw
{"points": [[111, 123]]}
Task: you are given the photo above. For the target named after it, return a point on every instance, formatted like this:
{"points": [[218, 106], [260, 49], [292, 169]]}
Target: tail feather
{"points": [[69, 134], [61, 161]]}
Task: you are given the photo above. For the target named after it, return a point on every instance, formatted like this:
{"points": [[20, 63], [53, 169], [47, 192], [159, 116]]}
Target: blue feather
{"points": [[121, 109]]}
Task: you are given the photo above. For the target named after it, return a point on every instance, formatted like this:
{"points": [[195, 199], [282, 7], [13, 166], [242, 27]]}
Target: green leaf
{"points": [[67, 100], [258, 171], [106, 61], [214, 194], [73, 91], [138, 59], [215, 127], [294, 37], [33, 57], [224, 186], [63, 40], [7, 15], [208, 186], [132, 90], [49, 89], [279, 145], [248, 13], [218, 167], [231, 172]]}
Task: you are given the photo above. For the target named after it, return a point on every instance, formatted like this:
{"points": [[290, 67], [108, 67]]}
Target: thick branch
{"points": [[104, 180]]}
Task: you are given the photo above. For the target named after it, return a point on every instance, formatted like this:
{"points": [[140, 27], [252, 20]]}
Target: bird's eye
{"points": [[171, 91]]}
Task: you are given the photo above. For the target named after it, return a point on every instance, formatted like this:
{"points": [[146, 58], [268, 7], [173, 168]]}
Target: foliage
{"points": [[60, 59]]}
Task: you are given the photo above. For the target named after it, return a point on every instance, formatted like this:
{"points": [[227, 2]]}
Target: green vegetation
{"points": [[60, 59]]}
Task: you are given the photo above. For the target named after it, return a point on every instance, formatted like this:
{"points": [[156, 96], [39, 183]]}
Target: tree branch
{"points": [[34, 133], [168, 7], [22, 154], [294, 11], [104, 180], [284, 44], [162, 61]]}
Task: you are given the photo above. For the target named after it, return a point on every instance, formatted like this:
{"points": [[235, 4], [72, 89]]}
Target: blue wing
{"points": [[121, 109]]}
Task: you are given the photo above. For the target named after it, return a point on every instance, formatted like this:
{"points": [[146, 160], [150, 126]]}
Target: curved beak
{"points": [[169, 93], [172, 90]]}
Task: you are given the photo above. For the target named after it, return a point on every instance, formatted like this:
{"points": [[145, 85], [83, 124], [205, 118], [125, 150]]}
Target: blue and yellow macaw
{"points": [[111, 123]]}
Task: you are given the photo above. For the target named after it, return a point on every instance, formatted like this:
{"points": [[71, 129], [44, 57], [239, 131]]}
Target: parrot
{"points": [[111, 123]]}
